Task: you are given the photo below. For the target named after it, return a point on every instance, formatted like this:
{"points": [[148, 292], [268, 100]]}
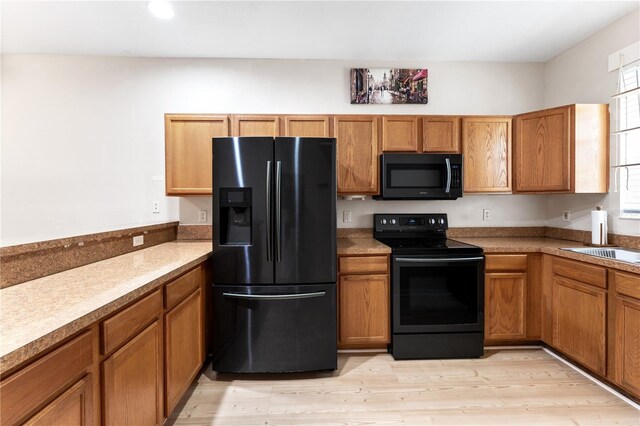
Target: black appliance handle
{"points": [[447, 189], [293, 296], [278, 210], [269, 253], [438, 260]]}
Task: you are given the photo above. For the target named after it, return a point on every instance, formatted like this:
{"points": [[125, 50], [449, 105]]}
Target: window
{"points": [[628, 135]]}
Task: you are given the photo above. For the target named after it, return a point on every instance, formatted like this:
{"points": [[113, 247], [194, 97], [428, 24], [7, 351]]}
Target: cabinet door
{"points": [[486, 146], [188, 152], [363, 310], [441, 134], [578, 324], [71, 408], [132, 381], [625, 344], [399, 133], [357, 152], [505, 306], [543, 151], [255, 125], [307, 126], [627, 341], [183, 348]]}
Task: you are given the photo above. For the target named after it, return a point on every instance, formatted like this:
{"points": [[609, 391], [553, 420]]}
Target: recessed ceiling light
{"points": [[160, 9]]}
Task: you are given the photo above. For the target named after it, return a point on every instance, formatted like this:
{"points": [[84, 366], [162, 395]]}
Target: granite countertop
{"points": [[545, 245], [37, 314], [361, 245]]}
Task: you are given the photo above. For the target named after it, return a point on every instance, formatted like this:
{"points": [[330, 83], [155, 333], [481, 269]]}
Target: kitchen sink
{"points": [[617, 253]]}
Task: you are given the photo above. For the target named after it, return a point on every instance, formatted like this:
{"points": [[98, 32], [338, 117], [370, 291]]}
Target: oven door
{"points": [[443, 294], [421, 176]]}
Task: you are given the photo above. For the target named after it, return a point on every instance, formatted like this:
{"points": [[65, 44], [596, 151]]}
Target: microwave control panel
{"points": [[456, 176]]}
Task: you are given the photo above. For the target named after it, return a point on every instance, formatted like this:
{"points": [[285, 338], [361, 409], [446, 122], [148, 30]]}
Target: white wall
{"points": [[580, 75], [83, 139]]}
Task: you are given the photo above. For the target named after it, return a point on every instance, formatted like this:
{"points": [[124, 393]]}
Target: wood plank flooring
{"points": [[505, 387]]}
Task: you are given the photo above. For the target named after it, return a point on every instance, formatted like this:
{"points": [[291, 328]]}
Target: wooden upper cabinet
{"points": [[255, 125], [564, 149], [441, 133], [399, 133], [188, 151], [357, 152], [306, 126], [486, 146]]}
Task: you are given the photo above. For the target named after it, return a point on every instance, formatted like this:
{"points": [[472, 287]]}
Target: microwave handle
{"points": [[447, 189]]}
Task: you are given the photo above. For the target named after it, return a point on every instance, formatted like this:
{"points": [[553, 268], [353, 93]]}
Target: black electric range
{"points": [[437, 288]]}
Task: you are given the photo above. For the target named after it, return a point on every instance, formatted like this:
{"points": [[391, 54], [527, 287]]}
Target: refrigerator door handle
{"points": [[269, 254], [278, 210], [274, 296]]}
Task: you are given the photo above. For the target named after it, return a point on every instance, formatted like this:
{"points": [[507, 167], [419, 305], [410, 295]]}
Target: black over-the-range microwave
{"points": [[420, 176]]}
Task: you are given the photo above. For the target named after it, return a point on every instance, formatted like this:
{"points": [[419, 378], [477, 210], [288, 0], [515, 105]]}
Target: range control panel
{"points": [[410, 222]]}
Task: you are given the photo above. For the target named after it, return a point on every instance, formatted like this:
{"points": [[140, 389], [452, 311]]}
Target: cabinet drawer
{"points": [[38, 382], [579, 271], [627, 284], [124, 325], [506, 262], [178, 289], [363, 265]]}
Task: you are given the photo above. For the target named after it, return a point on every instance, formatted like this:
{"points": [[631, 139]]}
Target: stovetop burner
{"points": [[418, 234]]}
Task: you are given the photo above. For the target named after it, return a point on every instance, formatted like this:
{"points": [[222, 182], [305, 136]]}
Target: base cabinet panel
{"points": [[183, 347], [579, 322], [505, 306], [72, 408], [132, 384], [363, 305]]}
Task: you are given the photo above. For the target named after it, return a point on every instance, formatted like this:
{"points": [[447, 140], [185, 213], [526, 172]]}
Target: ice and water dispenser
{"points": [[235, 216]]}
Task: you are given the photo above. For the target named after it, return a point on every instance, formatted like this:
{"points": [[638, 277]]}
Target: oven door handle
{"points": [[438, 260]]}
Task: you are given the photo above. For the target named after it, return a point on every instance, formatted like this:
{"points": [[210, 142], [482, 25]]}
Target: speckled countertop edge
{"points": [[20, 339], [364, 245]]}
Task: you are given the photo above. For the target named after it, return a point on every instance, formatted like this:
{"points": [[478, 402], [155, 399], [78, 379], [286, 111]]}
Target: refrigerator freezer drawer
{"points": [[274, 329]]}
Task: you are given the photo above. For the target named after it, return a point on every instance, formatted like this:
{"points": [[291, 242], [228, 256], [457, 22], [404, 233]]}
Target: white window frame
{"points": [[627, 133]]}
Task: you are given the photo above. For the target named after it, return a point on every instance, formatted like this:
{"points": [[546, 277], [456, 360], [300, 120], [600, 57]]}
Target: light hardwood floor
{"points": [[505, 387]]}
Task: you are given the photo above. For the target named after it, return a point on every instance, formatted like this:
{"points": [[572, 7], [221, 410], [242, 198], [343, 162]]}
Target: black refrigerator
{"points": [[274, 254]]}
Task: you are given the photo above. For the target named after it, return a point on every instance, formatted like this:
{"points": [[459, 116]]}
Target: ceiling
{"points": [[515, 31]]}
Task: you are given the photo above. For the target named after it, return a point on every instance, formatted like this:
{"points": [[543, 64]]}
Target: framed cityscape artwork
{"points": [[389, 86]]}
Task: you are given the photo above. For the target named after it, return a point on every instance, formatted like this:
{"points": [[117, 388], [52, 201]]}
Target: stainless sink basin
{"points": [[617, 253]]}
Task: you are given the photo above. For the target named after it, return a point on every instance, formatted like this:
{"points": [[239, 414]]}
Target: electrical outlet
{"points": [[202, 216], [156, 207], [486, 214], [346, 216], [138, 240], [566, 216]]}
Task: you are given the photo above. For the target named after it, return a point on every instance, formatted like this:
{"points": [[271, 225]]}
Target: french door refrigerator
{"points": [[274, 254]]}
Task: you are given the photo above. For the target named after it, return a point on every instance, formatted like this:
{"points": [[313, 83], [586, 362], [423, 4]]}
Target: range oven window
{"points": [[415, 175], [438, 295]]}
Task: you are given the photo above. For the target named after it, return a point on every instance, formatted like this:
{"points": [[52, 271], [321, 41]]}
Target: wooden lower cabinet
{"points": [[505, 306], [363, 311], [72, 408], [55, 388], [183, 347], [132, 381], [579, 322], [506, 298], [625, 345]]}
